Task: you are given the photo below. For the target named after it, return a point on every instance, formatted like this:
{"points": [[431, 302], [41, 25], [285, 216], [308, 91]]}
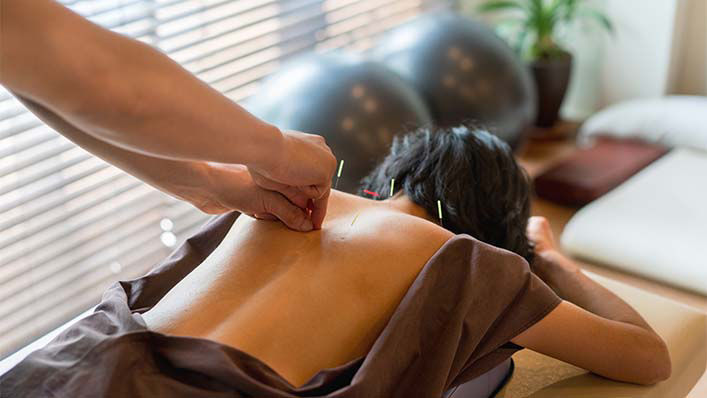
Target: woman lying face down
{"points": [[473, 174], [305, 302]]}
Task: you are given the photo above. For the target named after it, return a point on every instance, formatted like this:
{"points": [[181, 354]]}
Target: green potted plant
{"points": [[535, 24]]}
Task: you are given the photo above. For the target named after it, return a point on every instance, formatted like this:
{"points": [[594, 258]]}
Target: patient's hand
{"points": [[540, 233], [592, 328]]}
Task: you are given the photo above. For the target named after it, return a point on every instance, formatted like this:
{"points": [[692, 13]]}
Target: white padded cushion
{"points": [[676, 121], [654, 224]]}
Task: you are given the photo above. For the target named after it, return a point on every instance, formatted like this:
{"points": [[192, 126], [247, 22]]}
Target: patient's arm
{"points": [[593, 328]]}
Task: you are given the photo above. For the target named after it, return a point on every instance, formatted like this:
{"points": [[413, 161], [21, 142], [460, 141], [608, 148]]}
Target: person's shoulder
{"points": [[405, 231], [396, 247]]}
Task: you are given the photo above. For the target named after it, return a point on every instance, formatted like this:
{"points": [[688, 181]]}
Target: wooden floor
{"points": [[536, 157]]}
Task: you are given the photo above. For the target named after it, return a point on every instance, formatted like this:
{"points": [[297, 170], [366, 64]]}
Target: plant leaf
{"points": [[536, 6], [511, 23], [569, 8], [498, 5], [520, 41], [598, 16]]}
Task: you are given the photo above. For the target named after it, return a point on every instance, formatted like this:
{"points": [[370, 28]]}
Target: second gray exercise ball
{"points": [[465, 73], [356, 104]]}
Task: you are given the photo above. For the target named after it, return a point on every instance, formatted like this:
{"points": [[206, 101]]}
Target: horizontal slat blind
{"points": [[70, 224]]}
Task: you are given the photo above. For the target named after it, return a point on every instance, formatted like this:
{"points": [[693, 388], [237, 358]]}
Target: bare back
{"points": [[302, 302]]}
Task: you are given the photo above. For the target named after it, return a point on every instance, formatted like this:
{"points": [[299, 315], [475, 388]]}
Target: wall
{"points": [[637, 59], [689, 68]]}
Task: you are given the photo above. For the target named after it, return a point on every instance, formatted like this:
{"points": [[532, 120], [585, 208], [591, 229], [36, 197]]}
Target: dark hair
{"points": [[483, 191]]}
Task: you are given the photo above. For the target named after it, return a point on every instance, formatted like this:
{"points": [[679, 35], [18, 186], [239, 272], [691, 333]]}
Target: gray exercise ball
{"points": [[465, 73], [357, 105]]}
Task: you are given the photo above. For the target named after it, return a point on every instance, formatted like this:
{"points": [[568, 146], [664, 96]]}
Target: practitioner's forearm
{"points": [[177, 178], [571, 284], [123, 91]]}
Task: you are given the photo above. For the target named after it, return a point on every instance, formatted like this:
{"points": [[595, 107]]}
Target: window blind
{"points": [[70, 224]]}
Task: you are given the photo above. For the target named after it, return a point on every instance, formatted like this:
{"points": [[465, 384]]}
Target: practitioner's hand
{"points": [[231, 187], [302, 165], [540, 233]]}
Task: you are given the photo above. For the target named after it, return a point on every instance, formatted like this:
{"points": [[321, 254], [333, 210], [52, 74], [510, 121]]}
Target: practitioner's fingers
{"points": [[265, 216], [296, 195], [265, 182], [319, 208], [315, 192], [294, 217]]}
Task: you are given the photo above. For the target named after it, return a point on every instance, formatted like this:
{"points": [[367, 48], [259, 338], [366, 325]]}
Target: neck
{"points": [[403, 204]]}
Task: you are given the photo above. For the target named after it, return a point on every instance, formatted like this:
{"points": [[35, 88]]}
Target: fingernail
{"points": [[307, 226]]}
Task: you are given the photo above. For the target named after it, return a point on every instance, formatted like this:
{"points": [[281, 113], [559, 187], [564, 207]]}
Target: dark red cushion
{"points": [[591, 172]]}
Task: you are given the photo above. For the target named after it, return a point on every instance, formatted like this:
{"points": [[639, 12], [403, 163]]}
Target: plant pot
{"points": [[552, 77]]}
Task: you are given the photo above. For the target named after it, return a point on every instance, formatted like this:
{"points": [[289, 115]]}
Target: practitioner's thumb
{"points": [[291, 215]]}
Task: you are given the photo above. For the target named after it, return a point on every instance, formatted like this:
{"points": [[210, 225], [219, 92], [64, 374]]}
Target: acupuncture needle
{"points": [[439, 211], [392, 184], [338, 175]]}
